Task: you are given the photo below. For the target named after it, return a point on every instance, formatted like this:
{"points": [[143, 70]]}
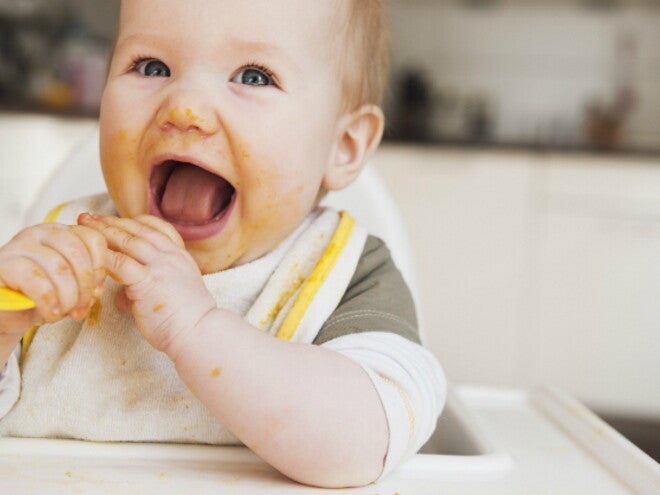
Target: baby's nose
{"points": [[188, 113]]}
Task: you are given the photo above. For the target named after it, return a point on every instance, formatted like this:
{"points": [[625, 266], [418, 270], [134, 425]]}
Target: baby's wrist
{"points": [[188, 341]]}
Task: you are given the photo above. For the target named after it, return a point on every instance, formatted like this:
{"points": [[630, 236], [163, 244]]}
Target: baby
{"points": [[223, 124]]}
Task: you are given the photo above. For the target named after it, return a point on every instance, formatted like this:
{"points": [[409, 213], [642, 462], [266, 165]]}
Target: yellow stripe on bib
{"points": [[319, 274], [55, 212]]}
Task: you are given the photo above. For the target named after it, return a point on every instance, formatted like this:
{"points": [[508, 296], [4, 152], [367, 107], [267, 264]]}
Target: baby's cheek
{"points": [[126, 184], [118, 146], [128, 192]]}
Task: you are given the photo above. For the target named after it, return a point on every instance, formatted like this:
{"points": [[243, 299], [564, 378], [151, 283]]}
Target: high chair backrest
{"points": [[367, 199]]}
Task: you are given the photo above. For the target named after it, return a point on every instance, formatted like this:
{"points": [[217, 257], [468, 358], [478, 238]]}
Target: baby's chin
{"points": [[212, 255], [214, 260]]}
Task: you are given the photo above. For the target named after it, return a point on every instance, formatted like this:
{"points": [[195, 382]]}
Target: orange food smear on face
{"points": [[244, 152], [215, 373], [121, 143], [158, 307]]}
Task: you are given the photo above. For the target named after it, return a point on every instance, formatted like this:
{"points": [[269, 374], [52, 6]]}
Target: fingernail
{"points": [[98, 291], [56, 311]]}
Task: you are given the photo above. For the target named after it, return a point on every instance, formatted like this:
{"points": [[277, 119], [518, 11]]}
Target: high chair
{"points": [[488, 440]]}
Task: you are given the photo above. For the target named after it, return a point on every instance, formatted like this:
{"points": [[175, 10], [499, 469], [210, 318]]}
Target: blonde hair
{"points": [[365, 59]]}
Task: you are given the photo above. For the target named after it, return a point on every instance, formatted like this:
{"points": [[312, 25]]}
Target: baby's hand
{"points": [[163, 285], [59, 267]]}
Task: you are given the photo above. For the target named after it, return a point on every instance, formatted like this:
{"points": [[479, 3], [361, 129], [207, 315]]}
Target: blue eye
{"points": [[152, 68], [254, 76]]}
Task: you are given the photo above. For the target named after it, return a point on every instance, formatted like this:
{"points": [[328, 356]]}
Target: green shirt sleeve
{"points": [[377, 299]]}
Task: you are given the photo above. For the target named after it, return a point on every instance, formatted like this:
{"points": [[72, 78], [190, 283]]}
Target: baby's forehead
{"points": [[289, 24]]}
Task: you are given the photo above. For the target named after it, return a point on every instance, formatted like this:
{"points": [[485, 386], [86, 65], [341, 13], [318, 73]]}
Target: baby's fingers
{"points": [[137, 240], [96, 247], [83, 250], [163, 227], [124, 269]]}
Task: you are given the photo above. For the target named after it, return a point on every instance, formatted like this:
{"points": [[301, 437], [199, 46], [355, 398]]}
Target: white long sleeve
{"points": [[409, 381], [10, 383]]}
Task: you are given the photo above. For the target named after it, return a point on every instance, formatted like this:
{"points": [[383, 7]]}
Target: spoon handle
{"points": [[11, 300]]}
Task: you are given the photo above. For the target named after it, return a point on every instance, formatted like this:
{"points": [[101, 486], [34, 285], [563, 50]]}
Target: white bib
{"points": [[100, 380]]}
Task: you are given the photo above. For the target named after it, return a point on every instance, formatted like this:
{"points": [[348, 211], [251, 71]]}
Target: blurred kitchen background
{"points": [[523, 146], [542, 73], [567, 74], [54, 53]]}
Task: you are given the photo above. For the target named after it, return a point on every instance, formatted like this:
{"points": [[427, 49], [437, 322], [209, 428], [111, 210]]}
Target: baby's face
{"points": [[220, 116]]}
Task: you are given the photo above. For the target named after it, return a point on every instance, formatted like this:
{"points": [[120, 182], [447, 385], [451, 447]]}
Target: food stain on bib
{"points": [[94, 314]]}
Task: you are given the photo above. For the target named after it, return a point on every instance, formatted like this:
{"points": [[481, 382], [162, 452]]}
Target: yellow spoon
{"points": [[11, 300]]}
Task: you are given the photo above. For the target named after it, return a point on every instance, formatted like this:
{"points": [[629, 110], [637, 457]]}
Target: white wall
{"points": [[538, 269], [539, 62]]}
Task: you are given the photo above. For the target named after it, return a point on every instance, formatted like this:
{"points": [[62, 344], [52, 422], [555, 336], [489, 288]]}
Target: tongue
{"points": [[194, 196]]}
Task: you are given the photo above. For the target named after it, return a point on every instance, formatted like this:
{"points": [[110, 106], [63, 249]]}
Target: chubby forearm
{"points": [[311, 413]]}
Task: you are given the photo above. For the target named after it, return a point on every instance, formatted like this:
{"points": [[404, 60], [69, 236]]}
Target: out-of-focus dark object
{"points": [[478, 120], [602, 4], [604, 123], [479, 4], [54, 54], [413, 107]]}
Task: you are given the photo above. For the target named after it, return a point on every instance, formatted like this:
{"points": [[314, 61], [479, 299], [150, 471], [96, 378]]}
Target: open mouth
{"points": [[191, 198]]}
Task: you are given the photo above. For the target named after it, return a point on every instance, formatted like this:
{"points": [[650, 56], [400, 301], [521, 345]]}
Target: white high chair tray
{"points": [[503, 441]]}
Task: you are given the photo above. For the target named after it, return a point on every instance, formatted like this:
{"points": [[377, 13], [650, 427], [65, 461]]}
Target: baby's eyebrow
{"points": [[267, 50], [141, 38]]}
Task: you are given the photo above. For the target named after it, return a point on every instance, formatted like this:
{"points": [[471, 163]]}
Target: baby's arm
{"points": [[59, 267], [308, 411]]}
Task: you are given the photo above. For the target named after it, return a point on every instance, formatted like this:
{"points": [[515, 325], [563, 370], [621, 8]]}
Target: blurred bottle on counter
{"points": [[479, 120], [605, 119]]}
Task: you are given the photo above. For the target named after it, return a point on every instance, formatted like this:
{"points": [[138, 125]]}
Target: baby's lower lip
{"points": [[198, 232]]}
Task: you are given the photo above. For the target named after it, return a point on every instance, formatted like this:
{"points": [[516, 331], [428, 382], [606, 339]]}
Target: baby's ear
{"points": [[358, 135]]}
